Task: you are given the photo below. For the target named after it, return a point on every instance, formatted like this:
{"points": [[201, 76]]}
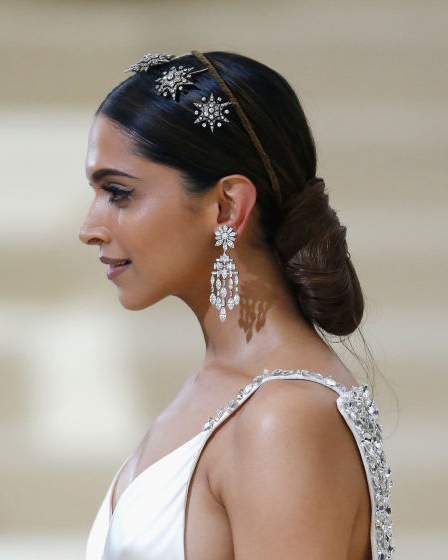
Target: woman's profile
{"points": [[204, 175]]}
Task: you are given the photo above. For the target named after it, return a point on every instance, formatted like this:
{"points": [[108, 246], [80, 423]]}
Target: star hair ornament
{"points": [[150, 60], [209, 112], [172, 81], [175, 79]]}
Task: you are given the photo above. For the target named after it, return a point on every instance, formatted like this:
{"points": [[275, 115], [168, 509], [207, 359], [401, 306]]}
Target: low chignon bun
{"points": [[311, 244]]}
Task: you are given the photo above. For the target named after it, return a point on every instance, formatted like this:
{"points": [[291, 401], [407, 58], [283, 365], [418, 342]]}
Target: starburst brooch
{"points": [[174, 80], [225, 236], [211, 112], [150, 60]]}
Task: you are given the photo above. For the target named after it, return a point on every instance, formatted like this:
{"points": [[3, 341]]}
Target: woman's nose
{"points": [[93, 234]]}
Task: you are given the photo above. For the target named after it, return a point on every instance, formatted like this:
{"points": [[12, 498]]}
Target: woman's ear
{"points": [[237, 196]]}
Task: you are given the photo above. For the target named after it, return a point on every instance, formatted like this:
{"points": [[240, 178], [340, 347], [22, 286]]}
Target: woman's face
{"points": [[153, 237]]}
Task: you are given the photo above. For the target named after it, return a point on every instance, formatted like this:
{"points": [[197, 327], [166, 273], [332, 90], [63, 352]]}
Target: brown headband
{"points": [[245, 122]]}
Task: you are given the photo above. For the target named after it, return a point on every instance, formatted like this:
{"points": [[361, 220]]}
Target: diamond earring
{"points": [[223, 269]]}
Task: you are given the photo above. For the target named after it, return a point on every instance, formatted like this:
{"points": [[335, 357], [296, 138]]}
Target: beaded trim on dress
{"points": [[361, 414]]}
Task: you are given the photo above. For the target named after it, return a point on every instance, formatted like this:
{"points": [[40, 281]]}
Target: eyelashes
{"points": [[118, 194]]}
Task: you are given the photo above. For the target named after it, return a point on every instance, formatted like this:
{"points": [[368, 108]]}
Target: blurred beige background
{"points": [[81, 378]]}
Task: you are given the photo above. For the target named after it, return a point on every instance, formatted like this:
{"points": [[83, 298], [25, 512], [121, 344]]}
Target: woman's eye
{"points": [[118, 194]]}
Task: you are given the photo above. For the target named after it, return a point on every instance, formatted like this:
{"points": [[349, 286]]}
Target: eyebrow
{"points": [[101, 173]]}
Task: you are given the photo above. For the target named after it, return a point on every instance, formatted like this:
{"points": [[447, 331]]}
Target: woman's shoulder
{"points": [[287, 421], [292, 412], [291, 451]]}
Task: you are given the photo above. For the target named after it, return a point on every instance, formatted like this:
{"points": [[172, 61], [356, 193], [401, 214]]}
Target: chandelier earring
{"points": [[224, 276]]}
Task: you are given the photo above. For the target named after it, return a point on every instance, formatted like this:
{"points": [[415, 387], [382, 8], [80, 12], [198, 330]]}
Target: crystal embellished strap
{"points": [[361, 414], [244, 393]]}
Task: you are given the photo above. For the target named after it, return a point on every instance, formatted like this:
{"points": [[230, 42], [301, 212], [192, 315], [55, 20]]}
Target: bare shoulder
{"points": [[292, 409], [294, 456]]}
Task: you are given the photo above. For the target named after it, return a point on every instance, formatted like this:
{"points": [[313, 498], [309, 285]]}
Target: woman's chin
{"points": [[133, 303]]}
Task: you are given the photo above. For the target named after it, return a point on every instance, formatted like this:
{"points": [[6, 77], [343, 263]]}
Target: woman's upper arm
{"points": [[293, 485]]}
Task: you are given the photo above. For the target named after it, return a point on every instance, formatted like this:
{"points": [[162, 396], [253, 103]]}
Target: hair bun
{"points": [[311, 243]]}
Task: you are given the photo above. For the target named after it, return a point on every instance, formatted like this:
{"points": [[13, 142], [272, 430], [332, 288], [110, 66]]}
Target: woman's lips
{"points": [[116, 269], [116, 266]]}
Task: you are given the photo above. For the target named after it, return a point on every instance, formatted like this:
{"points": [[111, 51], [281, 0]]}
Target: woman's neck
{"points": [[267, 317]]}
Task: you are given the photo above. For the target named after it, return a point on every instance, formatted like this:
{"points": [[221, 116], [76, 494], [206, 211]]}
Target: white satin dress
{"points": [[148, 522]]}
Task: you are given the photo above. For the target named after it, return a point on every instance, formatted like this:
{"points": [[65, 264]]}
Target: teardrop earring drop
{"points": [[224, 276]]}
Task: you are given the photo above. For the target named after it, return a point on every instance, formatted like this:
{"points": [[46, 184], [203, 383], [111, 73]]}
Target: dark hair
{"points": [[304, 231]]}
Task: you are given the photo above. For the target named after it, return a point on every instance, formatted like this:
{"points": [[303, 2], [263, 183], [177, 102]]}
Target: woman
{"points": [[204, 174]]}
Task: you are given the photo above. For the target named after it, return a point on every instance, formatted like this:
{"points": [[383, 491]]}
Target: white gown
{"points": [[148, 522]]}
